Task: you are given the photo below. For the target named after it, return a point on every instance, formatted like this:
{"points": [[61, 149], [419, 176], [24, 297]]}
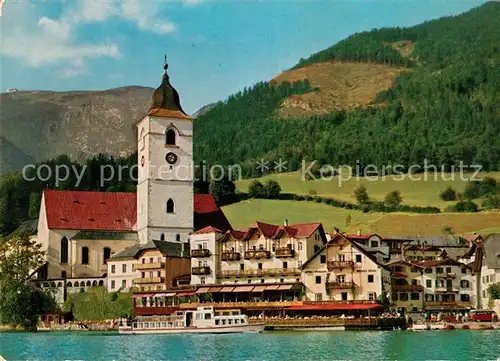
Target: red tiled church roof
{"points": [[204, 203], [109, 211], [114, 211]]}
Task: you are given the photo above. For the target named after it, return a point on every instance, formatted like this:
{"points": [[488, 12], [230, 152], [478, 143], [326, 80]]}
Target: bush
{"points": [[492, 202], [478, 189], [361, 194], [449, 194], [272, 189], [465, 206], [393, 199], [256, 189]]}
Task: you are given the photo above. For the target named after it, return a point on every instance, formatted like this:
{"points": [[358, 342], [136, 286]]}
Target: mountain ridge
{"points": [[77, 123]]}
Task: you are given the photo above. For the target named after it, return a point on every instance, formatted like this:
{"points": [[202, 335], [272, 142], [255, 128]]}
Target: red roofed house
{"points": [[80, 230], [261, 259], [342, 270]]}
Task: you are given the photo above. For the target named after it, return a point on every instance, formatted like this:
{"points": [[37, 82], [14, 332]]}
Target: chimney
{"points": [[286, 223]]}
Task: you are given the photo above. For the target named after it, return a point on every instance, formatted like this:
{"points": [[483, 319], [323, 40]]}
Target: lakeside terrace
{"points": [[253, 299]]}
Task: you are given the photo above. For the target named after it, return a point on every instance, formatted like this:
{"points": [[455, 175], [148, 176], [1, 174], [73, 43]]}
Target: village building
{"points": [[262, 261], [437, 285], [406, 286], [448, 285], [151, 267], [344, 271], [488, 271]]}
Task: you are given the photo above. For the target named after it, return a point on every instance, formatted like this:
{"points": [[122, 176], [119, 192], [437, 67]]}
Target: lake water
{"points": [[458, 345]]}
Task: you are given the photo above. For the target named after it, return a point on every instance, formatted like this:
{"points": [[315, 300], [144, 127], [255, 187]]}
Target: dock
{"points": [[333, 324]]}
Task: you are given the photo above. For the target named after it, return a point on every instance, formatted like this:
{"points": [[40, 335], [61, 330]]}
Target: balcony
{"points": [[147, 280], [447, 275], [260, 272], [230, 256], [397, 274], [331, 265], [446, 289], [284, 252], [200, 253], [448, 304], [205, 270], [257, 254], [407, 288], [341, 285], [153, 265]]}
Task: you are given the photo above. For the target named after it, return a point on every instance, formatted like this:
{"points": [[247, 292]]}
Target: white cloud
{"points": [[145, 16], [38, 41]]}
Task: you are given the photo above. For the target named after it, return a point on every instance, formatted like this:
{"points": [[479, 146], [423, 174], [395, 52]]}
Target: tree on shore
{"points": [[21, 302]]}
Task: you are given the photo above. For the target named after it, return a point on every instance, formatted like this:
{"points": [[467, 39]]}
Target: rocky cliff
{"points": [[39, 125]]}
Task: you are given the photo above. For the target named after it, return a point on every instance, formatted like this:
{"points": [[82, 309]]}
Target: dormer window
{"points": [[170, 137]]}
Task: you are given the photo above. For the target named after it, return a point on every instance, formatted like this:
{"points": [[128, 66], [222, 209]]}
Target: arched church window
{"points": [[170, 137], [64, 250], [162, 237], [107, 254], [85, 255], [170, 206], [178, 237]]}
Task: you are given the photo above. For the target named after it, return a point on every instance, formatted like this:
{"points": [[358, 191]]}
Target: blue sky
{"points": [[214, 48]]}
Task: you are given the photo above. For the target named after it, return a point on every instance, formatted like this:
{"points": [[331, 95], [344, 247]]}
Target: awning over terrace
{"points": [[335, 307]]}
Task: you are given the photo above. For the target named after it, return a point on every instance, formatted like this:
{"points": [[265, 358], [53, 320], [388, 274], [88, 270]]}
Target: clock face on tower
{"points": [[171, 158]]}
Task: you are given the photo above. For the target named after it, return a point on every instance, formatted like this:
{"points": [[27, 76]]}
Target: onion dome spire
{"points": [[166, 101]]}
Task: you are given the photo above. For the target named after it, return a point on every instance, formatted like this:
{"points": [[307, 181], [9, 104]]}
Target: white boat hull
{"points": [[254, 328], [420, 327]]}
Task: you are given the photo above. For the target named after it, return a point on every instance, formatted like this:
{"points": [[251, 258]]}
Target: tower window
{"points": [[178, 237], [85, 255], [162, 237], [170, 137], [64, 250], [170, 206]]}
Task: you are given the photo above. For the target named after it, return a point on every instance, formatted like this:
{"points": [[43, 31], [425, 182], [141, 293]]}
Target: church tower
{"points": [[165, 176]]}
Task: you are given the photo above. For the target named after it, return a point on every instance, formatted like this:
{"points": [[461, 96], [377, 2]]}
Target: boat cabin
{"points": [[203, 317]]}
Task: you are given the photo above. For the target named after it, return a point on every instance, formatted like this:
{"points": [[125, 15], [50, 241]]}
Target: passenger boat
{"points": [[203, 320]]}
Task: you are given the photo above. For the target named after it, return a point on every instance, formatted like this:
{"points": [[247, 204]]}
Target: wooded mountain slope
{"points": [[444, 108]]}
